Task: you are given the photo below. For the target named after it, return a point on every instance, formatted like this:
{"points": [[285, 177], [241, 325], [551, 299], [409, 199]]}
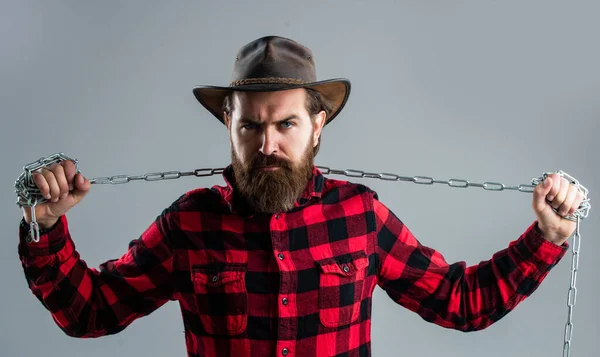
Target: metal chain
{"points": [[28, 195], [581, 212], [572, 295]]}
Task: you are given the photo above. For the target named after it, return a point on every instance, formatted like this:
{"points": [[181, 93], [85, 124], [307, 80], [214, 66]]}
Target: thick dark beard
{"points": [[271, 191]]}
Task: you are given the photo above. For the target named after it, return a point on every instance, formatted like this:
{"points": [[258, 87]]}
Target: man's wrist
{"points": [[551, 237], [43, 224], [46, 225]]}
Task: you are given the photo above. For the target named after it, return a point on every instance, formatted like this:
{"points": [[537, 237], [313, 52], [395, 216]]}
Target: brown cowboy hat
{"points": [[274, 63]]}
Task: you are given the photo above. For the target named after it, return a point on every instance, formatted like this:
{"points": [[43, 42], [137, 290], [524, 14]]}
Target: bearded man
{"points": [[279, 261]]}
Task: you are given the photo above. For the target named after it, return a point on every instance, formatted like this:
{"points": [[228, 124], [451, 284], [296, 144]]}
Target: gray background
{"points": [[480, 90]]}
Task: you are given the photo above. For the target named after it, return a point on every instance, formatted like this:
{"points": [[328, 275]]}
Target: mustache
{"points": [[261, 160]]}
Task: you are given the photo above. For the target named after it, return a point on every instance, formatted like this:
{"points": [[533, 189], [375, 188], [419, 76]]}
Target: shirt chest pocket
{"points": [[341, 283], [221, 298]]}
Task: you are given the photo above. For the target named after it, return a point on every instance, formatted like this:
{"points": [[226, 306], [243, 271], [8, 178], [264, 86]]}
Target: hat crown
{"points": [[274, 57]]}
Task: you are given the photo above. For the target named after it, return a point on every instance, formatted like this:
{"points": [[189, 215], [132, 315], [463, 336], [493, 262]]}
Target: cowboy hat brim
{"points": [[336, 91]]}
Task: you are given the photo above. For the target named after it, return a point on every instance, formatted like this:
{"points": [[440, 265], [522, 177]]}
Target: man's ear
{"points": [[227, 121], [318, 127]]}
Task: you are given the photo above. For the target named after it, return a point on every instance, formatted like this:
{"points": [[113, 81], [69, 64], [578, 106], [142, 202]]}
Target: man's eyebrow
{"points": [[247, 120], [293, 116]]}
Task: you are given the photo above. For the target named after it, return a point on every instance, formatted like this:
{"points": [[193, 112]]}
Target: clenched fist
{"points": [[62, 186], [557, 192]]}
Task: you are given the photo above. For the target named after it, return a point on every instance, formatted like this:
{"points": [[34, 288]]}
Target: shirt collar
{"points": [[313, 189]]}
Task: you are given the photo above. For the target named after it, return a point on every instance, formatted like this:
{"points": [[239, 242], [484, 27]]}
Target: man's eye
{"points": [[287, 124], [249, 126]]}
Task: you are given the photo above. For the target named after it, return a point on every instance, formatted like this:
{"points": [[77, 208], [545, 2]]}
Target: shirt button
{"points": [[280, 255], [215, 278], [285, 351], [284, 301], [346, 269], [277, 216]]}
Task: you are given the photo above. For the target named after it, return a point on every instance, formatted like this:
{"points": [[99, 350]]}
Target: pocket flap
{"points": [[215, 276], [346, 265]]}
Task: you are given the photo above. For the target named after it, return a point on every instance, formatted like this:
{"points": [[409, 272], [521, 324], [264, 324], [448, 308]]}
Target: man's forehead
{"points": [[290, 95], [268, 103]]}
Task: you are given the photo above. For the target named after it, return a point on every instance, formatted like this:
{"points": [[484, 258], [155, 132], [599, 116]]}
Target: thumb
{"points": [[540, 193], [82, 187]]}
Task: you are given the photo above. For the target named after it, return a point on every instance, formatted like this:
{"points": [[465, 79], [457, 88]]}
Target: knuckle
{"points": [[39, 180], [69, 167], [555, 177], [58, 168], [64, 186], [47, 172]]}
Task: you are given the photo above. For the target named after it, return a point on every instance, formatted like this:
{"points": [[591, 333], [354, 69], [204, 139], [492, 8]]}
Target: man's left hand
{"points": [[557, 192]]}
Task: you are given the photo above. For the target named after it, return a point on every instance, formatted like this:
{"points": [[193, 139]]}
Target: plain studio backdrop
{"points": [[475, 90]]}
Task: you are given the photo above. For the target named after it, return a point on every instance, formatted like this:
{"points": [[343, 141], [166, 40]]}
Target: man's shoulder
{"points": [[346, 188], [202, 198]]}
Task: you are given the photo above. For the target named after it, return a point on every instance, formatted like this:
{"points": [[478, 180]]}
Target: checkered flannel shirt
{"points": [[295, 283]]}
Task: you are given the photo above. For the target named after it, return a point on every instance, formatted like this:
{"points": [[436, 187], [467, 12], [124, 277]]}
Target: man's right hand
{"points": [[62, 186]]}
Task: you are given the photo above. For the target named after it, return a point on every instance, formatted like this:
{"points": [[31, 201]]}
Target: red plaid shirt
{"points": [[296, 283]]}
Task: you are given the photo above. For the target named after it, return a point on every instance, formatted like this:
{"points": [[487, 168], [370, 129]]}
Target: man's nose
{"points": [[269, 142]]}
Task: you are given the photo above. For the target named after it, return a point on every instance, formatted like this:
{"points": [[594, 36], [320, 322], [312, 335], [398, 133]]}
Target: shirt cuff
{"points": [[542, 249], [52, 239]]}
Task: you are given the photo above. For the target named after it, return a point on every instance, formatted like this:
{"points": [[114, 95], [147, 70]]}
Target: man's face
{"points": [[272, 139]]}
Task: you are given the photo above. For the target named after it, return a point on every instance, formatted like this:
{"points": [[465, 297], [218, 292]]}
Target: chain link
{"points": [[581, 212], [28, 195], [155, 176], [572, 294]]}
